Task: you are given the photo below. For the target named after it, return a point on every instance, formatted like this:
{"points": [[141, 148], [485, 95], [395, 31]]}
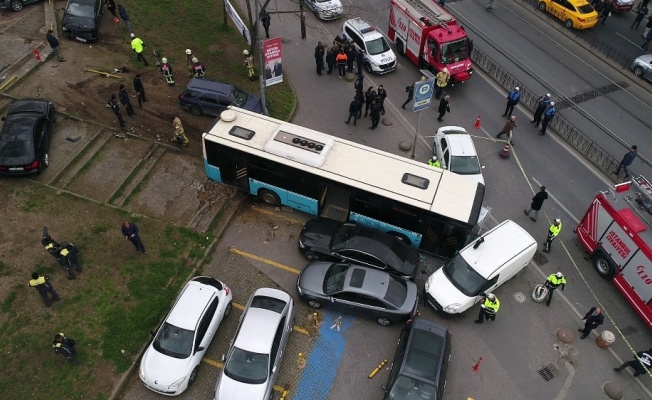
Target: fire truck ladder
{"points": [[643, 198], [427, 12], [643, 186]]}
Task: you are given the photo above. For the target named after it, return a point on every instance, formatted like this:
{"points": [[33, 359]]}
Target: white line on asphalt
{"points": [[637, 45]]}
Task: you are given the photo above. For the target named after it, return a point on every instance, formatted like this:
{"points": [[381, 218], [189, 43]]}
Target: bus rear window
{"points": [[242, 133], [416, 181]]}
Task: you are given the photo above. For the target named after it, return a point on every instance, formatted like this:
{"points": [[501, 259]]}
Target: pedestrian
{"points": [[330, 59], [382, 93], [434, 162], [110, 5], [488, 308], [648, 38], [66, 346], [640, 14], [358, 84], [628, 159], [444, 107], [130, 232], [167, 71], [594, 318], [410, 92], [537, 203], [198, 68], [648, 27], [441, 82], [43, 285], [543, 102], [116, 110], [553, 232], [375, 114], [359, 96], [513, 98], [641, 364], [249, 63], [340, 59], [179, 133], [369, 97], [549, 114], [189, 58], [140, 89], [54, 44], [319, 57], [553, 282], [124, 16], [354, 111], [124, 100], [605, 10], [359, 60], [137, 46], [266, 19], [508, 129], [351, 55], [642, 4], [489, 6]]}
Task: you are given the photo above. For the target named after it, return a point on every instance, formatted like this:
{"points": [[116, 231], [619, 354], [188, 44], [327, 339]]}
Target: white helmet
{"points": [[557, 221], [559, 274], [132, 35], [517, 88], [164, 60], [195, 60], [548, 95], [188, 51], [552, 103], [245, 52], [491, 296], [434, 158]]}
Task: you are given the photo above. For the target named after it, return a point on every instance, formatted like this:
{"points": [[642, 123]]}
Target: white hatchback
{"points": [[172, 360], [454, 148]]}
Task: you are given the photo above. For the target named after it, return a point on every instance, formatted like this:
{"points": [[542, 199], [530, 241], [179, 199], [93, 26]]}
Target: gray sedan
{"points": [[642, 67], [359, 290]]}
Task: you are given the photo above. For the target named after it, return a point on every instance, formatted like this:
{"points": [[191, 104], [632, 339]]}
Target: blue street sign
{"points": [[423, 94]]}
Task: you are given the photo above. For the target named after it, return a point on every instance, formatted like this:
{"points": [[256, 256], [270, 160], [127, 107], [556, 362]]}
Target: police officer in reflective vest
{"points": [[66, 346], [553, 282], [44, 287], [434, 162], [68, 259], [641, 364], [553, 232], [488, 308]]}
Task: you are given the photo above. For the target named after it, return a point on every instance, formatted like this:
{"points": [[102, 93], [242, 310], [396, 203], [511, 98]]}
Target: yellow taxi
{"points": [[578, 14]]}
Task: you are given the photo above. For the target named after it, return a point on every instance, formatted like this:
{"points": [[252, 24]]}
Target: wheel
{"points": [[638, 71], [400, 237], [384, 321], [367, 68], [45, 162], [542, 6], [314, 304], [16, 5], [227, 310], [603, 266], [568, 23], [400, 47], [193, 376], [194, 110], [269, 197], [312, 256]]}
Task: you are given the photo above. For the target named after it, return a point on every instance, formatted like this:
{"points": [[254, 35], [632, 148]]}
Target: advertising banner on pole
{"points": [[242, 28], [272, 67]]}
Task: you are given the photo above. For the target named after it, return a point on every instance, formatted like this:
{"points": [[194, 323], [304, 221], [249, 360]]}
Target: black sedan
{"points": [[25, 137], [326, 239], [81, 20], [358, 290]]}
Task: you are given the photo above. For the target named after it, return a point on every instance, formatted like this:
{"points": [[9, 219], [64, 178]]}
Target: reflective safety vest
{"points": [[435, 163], [38, 281], [555, 229], [137, 45], [555, 282], [550, 112], [514, 96], [64, 252], [442, 78], [492, 306]]}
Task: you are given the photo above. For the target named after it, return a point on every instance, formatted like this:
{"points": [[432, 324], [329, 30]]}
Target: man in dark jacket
{"points": [[369, 96], [628, 159], [354, 109], [444, 107], [641, 12], [548, 115], [641, 364], [130, 232], [124, 16], [382, 93], [375, 114], [319, 57], [42, 284], [330, 58], [66, 346], [266, 19], [605, 10], [537, 203], [594, 318], [541, 107], [410, 92], [124, 99], [140, 89], [513, 97], [115, 107], [54, 44]]}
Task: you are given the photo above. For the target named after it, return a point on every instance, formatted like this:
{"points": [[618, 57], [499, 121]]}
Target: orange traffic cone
{"points": [[477, 123], [505, 152]]}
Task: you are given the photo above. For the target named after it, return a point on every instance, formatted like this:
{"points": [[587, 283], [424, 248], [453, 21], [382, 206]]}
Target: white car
{"points": [[378, 56], [326, 10], [454, 148], [170, 364], [254, 358]]}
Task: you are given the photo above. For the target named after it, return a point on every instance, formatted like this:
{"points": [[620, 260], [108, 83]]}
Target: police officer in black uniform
{"points": [[66, 346], [42, 284], [115, 107], [124, 99]]}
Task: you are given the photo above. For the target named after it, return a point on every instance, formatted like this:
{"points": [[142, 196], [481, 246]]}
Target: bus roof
{"points": [[392, 176]]}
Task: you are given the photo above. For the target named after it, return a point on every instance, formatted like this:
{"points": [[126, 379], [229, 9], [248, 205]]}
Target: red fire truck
{"points": [[430, 37], [617, 230]]}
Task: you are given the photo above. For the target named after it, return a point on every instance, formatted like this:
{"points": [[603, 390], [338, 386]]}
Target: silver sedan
{"points": [[642, 67]]}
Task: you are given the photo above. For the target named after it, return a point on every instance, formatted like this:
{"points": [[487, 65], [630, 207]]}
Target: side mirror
{"points": [[152, 333], [200, 348], [223, 357]]}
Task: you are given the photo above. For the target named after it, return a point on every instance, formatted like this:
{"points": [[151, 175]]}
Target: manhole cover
{"points": [[548, 372], [540, 258], [520, 297]]}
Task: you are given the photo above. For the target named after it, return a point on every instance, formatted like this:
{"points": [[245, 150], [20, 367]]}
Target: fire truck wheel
{"points": [[603, 266], [401, 49]]}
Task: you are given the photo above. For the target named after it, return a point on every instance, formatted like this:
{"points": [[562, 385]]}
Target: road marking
{"points": [[276, 215], [264, 260], [627, 40], [238, 306]]}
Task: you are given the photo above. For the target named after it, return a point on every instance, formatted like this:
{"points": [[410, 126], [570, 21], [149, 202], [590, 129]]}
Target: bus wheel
{"points": [[401, 237], [603, 266], [269, 197]]}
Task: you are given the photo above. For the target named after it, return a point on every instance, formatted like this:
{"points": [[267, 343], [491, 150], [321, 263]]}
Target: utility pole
{"points": [[303, 19], [261, 78]]}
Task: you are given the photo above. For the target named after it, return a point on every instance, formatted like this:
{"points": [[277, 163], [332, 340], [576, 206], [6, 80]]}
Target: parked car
{"points": [[642, 66], [254, 359], [326, 10], [379, 57], [420, 363], [203, 96], [359, 290], [327, 239], [171, 362], [81, 20], [454, 148], [25, 137], [578, 14], [622, 5], [15, 5]]}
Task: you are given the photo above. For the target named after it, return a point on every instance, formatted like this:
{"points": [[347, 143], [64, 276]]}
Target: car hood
{"points": [[318, 233], [445, 293], [312, 277], [160, 370], [333, 5], [235, 390], [644, 59], [80, 24], [254, 104]]}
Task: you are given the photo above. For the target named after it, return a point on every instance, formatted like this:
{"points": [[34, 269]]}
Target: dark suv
{"points": [[212, 97], [420, 363]]}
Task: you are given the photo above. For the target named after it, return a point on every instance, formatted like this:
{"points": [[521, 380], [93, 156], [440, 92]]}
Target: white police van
{"points": [[379, 57]]}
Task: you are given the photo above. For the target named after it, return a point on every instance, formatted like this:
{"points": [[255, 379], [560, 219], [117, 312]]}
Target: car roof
{"points": [[359, 24], [39, 106], [257, 331], [190, 305], [461, 144], [646, 58], [577, 3], [213, 86], [425, 350], [366, 280]]}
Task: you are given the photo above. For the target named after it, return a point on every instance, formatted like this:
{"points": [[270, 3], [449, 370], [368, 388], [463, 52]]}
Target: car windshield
{"points": [[585, 9], [247, 367], [174, 341], [454, 51], [396, 291], [463, 276], [334, 279], [407, 388], [465, 165], [238, 97], [78, 9], [377, 46], [341, 235]]}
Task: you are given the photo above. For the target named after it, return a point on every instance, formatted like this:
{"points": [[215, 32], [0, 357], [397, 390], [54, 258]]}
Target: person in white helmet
{"points": [[513, 98], [166, 69], [189, 58], [198, 68], [553, 232], [434, 162], [553, 282], [488, 308], [249, 63], [441, 82], [549, 114], [543, 102], [137, 45]]}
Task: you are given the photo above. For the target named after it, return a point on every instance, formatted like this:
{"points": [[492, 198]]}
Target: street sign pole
{"points": [[422, 100]]}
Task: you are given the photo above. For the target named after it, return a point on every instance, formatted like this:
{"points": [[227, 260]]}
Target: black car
{"points": [[15, 5], [25, 137], [81, 20], [327, 239], [420, 364], [203, 96]]}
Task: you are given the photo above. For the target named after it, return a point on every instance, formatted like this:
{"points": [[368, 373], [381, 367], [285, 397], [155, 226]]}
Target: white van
{"points": [[480, 267]]}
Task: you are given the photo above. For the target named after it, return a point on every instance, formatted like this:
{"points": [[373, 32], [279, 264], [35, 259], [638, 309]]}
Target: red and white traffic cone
{"points": [[477, 125], [37, 55], [505, 152]]}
